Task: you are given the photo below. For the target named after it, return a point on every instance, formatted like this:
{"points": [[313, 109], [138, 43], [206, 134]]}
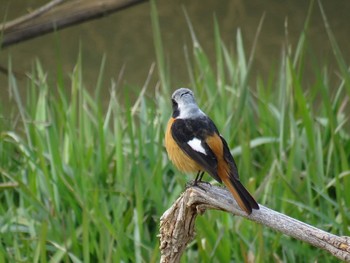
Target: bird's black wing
{"points": [[187, 130]]}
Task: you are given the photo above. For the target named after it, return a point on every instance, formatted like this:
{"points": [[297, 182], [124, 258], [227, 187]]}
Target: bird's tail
{"points": [[241, 195]]}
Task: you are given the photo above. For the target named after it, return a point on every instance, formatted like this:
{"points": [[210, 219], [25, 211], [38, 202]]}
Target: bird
{"points": [[194, 145]]}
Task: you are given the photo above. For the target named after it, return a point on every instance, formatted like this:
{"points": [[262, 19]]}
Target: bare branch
{"points": [[61, 16], [177, 223]]}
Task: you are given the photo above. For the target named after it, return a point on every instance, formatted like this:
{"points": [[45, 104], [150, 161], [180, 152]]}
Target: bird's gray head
{"points": [[184, 104]]}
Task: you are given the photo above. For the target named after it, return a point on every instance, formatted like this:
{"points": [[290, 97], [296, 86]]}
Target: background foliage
{"points": [[84, 182]]}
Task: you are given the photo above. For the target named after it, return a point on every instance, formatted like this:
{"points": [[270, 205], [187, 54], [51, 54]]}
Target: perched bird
{"points": [[194, 144]]}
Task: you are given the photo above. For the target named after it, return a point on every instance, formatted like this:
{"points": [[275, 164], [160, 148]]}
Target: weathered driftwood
{"points": [[177, 223], [56, 15]]}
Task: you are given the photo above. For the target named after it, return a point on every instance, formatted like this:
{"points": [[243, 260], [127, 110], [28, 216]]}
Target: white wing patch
{"points": [[196, 145]]}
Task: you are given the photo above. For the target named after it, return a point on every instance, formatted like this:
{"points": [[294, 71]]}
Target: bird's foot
{"points": [[196, 183]]}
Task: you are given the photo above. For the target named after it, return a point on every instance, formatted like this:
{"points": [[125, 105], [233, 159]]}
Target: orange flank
{"points": [[215, 144]]}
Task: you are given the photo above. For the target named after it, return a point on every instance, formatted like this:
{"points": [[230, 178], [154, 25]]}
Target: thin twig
{"points": [[41, 10]]}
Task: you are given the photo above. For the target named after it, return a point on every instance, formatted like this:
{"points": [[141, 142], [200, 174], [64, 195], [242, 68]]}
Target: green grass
{"points": [[81, 182]]}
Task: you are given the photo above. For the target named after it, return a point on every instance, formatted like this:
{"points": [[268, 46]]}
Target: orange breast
{"points": [[179, 158]]}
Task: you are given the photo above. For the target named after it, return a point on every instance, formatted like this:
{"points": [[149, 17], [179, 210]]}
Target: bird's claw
{"points": [[195, 183]]}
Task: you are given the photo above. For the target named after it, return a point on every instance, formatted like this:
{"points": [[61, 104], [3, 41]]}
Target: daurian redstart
{"points": [[195, 145]]}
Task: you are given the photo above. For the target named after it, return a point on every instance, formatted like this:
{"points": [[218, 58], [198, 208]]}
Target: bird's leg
{"points": [[199, 177]]}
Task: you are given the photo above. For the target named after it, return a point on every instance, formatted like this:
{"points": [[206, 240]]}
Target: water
{"points": [[126, 38]]}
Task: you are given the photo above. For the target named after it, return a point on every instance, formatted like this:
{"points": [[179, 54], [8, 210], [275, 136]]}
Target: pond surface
{"points": [[126, 38]]}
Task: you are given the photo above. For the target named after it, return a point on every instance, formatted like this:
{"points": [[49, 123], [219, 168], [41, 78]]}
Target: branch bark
{"points": [[57, 15], [177, 223]]}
